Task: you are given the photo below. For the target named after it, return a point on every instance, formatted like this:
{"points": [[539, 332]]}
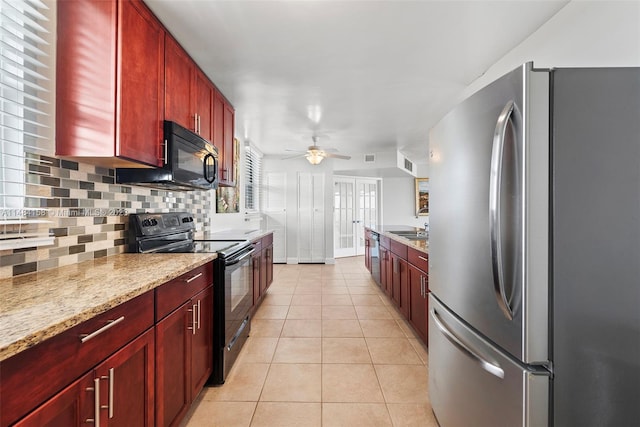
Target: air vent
{"points": [[369, 158], [408, 165]]}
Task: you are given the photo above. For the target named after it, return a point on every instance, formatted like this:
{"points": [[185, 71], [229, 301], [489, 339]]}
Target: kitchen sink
{"points": [[411, 235]]}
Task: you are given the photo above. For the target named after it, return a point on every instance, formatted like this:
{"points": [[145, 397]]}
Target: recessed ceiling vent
{"points": [[408, 165], [369, 158]]}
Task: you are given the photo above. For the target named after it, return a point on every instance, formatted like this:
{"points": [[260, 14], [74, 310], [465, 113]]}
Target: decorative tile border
{"points": [[88, 213]]}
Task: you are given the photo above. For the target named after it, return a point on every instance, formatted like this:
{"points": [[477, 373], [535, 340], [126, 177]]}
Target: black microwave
{"points": [[190, 163]]}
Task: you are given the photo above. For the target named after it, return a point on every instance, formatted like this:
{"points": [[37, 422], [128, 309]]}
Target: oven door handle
{"points": [[233, 261]]}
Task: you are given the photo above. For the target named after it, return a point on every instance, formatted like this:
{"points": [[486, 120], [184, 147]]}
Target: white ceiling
{"points": [[371, 75]]}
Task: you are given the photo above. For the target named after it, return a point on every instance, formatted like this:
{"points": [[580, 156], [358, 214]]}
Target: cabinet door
{"points": [[72, 407], [127, 384], [227, 169], [218, 123], [179, 71], [384, 269], [256, 261], [399, 283], [204, 105], [173, 341], [367, 250], [140, 111], [86, 78], [418, 310], [269, 265], [202, 341]]}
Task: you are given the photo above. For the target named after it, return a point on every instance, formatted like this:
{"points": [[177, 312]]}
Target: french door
{"points": [[355, 206]]}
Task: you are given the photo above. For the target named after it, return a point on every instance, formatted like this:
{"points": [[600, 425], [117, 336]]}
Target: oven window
{"points": [[240, 284]]}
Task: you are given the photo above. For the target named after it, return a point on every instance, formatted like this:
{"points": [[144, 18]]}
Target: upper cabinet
{"points": [[188, 92], [110, 83], [120, 74], [223, 131]]}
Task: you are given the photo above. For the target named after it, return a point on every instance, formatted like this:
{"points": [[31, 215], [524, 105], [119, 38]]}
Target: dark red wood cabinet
{"points": [[223, 132], [367, 249], [109, 83], [178, 74], [50, 383], [119, 391], [418, 284], [262, 262], [184, 345], [188, 92]]}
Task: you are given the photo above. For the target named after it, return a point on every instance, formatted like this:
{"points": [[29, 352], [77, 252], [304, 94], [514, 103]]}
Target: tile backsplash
{"points": [[88, 213]]}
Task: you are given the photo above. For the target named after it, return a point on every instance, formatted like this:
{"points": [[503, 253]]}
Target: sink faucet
{"points": [[422, 210]]}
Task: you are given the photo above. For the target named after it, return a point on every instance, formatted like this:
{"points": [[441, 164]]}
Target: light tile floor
{"points": [[326, 349]]}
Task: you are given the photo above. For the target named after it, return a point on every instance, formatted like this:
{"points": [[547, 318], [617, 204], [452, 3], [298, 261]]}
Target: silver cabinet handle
{"points": [[495, 179], [166, 152], [192, 310], [96, 402], [198, 314], [112, 375], [195, 122], [466, 349], [423, 258], [191, 279], [110, 324], [422, 291]]}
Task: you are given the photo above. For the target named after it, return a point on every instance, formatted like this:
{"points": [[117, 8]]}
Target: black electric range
{"points": [[232, 277]]}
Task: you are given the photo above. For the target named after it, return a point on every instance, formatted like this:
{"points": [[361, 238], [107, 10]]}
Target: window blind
{"points": [[253, 179], [24, 116]]}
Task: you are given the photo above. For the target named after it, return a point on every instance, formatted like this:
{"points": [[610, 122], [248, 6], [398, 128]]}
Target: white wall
{"points": [[399, 200], [603, 33]]}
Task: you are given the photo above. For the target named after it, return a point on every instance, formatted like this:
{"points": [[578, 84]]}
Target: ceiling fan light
{"points": [[314, 157]]}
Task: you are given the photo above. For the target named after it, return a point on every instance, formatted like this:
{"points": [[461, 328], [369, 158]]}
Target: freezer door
{"points": [[488, 221], [473, 384]]}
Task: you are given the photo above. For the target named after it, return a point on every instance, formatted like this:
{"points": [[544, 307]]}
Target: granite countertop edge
{"points": [[419, 245], [38, 306]]}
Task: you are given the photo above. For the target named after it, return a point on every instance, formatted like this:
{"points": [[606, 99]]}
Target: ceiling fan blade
{"points": [[337, 156], [295, 157]]}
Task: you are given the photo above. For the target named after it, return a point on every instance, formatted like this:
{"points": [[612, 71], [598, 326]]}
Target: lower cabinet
{"points": [[118, 392], [400, 283], [140, 364], [262, 264], [418, 284], [404, 279], [184, 345]]}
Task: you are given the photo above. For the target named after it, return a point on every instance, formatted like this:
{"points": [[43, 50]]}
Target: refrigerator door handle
{"points": [[466, 349], [495, 179]]}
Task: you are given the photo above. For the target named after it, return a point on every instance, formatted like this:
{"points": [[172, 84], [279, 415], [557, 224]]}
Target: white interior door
{"points": [[355, 205], [367, 202], [275, 210], [311, 218]]}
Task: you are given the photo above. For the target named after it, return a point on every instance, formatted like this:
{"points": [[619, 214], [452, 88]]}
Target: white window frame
{"points": [[27, 85], [252, 179]]}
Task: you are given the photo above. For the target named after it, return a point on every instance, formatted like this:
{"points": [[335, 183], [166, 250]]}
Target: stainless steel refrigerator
{"points": [[534, 252]]}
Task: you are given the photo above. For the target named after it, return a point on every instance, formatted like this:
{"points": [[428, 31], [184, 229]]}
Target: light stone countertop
{"points": [[237, 234], [421, 245], [37, 306]]}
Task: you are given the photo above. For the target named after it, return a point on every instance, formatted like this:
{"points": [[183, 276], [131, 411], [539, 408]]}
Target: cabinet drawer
{"points": [[419, 259], [399, 249], [36, 374], [267, 240], [173, 294], [257, 245], [384, 241]]}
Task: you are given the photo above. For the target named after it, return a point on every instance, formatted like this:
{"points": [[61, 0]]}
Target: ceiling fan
{"points": [[316, 154]]}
